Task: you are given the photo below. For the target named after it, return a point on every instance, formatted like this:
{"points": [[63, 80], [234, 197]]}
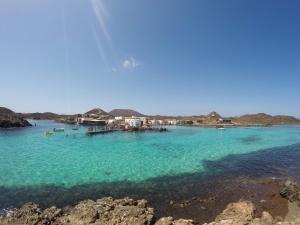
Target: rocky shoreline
{"points": [[107, 211]]}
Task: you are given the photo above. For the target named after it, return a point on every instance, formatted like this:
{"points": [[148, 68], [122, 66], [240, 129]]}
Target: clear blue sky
{"points": [[158, 57]]}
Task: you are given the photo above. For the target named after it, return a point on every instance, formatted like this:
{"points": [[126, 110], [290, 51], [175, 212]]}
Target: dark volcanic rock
{"points": [[9, 119]]}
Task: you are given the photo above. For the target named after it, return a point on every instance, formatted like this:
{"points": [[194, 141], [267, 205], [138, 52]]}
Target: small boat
{"points": [[49, 133], [220, 127], [59, 129]]}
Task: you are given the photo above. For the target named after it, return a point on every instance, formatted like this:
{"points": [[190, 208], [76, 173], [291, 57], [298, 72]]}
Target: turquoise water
{"points": [[28, 157]]}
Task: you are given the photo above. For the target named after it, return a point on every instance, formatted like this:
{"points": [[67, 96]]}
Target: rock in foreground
{"points": [[105, 211], [242, 213]]}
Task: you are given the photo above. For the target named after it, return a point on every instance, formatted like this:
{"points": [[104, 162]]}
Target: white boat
{"points": [[220, 127]]}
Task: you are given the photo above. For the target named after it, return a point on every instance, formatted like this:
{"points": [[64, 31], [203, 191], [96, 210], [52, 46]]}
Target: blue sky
{"points": [[158, 57]]}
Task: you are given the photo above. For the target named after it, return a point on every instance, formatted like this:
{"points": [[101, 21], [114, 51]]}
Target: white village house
{"points": [[135, 121]]}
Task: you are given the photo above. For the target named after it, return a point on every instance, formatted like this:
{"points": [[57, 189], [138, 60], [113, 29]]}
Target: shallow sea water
{"points": [[28, 157]]}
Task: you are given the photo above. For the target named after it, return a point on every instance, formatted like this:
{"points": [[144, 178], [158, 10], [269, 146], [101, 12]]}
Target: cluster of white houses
{"points": [[96, 119], [132, 121], [143, 121]]}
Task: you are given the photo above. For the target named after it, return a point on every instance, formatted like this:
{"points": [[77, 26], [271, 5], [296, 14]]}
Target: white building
{"points": [[111, 121], [119, 118], [153, 122], [161, 122], [172, 122], [134, 122], [144, 120]]}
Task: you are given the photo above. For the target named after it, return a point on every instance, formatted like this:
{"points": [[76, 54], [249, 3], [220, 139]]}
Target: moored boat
{"points": [[220, 127]]}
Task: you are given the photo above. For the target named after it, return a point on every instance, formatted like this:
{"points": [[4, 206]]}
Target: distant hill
{"points": [[244, 120], [97, 111], [211, 116], [125, 112], [9, 118], [262, 118], [41, 116]]}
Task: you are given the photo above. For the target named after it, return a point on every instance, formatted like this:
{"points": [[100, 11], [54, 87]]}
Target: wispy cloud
{"points": [[99, 46], [130, 63], [104, 41], [101, 16]]}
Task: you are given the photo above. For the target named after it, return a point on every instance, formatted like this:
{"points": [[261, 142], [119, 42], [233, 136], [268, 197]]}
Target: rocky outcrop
{"points": [[105, 211], [243, 213], [9, 119], [291, 191], [236, 213]]}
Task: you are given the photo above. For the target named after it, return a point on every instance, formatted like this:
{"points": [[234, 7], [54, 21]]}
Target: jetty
{"points": [[58, 129], [94, 131]]}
